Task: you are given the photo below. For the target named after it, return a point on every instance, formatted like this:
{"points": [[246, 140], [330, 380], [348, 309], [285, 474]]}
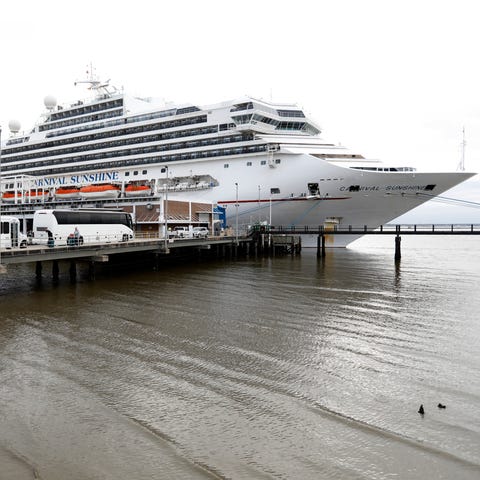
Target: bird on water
{"points": [[421, 411]]}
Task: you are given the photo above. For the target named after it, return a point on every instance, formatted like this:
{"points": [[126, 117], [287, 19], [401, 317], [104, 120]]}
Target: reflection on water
{"points": [[290, 367]]}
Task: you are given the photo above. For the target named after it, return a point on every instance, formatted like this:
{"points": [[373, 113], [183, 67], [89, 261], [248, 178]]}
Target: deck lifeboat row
{"points": [[71, 192], [32, 195]]}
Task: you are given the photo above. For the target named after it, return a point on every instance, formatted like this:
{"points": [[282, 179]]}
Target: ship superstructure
{"points": [[263, 161]]}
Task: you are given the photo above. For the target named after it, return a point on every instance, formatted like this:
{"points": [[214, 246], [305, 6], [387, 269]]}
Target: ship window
{"points": [[225, 165], [278, 160], [263, 162], [144, 172], [127, 174], [290, 113], [274, 190], [135, 172], [249, 164]]}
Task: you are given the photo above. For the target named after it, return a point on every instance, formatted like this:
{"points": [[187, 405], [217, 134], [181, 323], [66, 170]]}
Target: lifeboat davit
{"points": [[38, 194], [137, 190], [67, 192], [105, 190]]}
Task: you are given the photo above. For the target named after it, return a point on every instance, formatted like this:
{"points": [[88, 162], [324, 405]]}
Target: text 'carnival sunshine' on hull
{"points": [[264, 162]]}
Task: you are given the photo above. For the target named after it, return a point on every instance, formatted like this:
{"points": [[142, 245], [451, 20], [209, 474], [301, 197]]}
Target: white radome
{"points": [[14, 126], [50, 102]]}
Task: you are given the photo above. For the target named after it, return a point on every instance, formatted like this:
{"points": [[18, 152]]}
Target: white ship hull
{"points": [[381, 196]]}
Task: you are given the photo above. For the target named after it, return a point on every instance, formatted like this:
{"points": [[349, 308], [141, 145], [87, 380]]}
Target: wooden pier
{"points": [[96, 253], [260, 241], [390, 229]]}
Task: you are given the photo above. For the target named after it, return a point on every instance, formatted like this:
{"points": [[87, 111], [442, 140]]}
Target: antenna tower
{"points": [[461, 165], [95, 84]]}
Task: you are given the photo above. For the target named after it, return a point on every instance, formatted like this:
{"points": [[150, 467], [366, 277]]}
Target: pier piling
{"points": [[398, 252], [321, 246], [55, 270], [73, 271], [91, 270], [38, 270]]}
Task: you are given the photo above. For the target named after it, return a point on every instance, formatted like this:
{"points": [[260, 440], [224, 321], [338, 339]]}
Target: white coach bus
{"points": [[10, 234], [78, 227]]}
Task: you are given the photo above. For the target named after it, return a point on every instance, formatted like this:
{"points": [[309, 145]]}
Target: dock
{"points": [[397, 230], [272, 241], [95, 253]]}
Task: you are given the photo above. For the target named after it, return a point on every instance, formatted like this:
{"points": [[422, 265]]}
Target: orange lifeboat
{"points": [[67, 192], [104, 190], [133, 190], [11, 196]]}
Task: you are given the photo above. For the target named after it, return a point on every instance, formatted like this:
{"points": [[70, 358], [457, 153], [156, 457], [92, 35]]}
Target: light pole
{"points": [[2, 267], [165, 212], [259, 204], [270, 212], [236, 213]]}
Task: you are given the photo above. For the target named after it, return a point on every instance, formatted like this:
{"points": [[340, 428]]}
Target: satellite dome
{"points": [[50, 102], [14, 126]]}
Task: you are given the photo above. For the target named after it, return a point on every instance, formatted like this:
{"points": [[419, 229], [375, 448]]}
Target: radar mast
{"points": [[101, 89], [461, 165]]}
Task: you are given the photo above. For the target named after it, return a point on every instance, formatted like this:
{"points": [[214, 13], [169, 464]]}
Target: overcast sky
{"points": [[396, 80]]}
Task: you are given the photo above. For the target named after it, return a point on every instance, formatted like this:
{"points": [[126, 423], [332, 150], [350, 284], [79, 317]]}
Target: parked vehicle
{"points": [[76, 227], [200, 232], [10, 234], [181, 232]]}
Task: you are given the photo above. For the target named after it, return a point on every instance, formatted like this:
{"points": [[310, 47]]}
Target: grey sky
{"points": [[396, 80]]}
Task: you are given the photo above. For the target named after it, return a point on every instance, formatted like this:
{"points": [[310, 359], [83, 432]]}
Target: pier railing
{"points": [[388, 229]]}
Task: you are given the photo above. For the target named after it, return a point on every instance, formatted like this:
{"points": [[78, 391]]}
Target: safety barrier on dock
{"points": [[99, 251], [389, 229]]}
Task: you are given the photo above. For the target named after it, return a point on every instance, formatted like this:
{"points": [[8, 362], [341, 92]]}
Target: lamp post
{"points": [[270, 211], [1, 197], [259, 218], [236, 213], [2, 267], [165, 212]]}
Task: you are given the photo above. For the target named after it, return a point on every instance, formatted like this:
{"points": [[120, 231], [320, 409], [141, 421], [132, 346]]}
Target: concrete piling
{"points": [[398, 252]]}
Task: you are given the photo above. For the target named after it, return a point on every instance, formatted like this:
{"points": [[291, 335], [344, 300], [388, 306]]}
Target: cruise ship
{"points": [[262, 161]]}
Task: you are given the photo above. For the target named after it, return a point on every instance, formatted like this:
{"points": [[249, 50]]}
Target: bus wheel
{"points": [[80, 241]]}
